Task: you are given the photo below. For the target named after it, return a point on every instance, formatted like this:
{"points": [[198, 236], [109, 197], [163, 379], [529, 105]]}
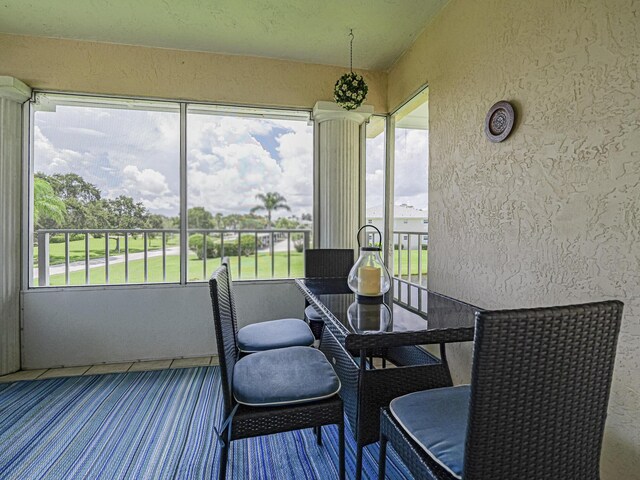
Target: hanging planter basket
{"points": [[350, 91]]}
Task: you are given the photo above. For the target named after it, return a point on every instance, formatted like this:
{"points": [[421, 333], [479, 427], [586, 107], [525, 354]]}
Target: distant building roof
{"points": [[399, 211]]}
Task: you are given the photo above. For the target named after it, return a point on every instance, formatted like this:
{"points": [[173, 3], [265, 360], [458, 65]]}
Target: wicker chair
{"points": [[243, 420], [271, 334], [536, 407], [324, 263]]}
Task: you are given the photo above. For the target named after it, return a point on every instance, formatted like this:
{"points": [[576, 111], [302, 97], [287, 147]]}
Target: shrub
{"points": [[195, 245], [214, 249], [57, 238], [247, 246]]}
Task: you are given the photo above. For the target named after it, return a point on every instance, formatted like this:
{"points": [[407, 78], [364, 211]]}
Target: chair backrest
{"points": [[328, 262], [539, 391], [232, 298], [226, 333]]}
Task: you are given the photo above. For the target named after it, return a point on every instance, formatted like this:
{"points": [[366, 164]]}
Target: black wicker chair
{"points": [[537, 403], [271, 334], [324, 263], [243, 421]]}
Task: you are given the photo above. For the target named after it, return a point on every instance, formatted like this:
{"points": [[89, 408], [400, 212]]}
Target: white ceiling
{"points": [[314, 31]]}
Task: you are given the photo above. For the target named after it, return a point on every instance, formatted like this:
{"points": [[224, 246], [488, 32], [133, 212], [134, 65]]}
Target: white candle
{"points": [[369, 281]]}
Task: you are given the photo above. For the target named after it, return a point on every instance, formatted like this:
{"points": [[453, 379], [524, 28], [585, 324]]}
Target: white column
{"points": [[12, 94], [338, 183]]}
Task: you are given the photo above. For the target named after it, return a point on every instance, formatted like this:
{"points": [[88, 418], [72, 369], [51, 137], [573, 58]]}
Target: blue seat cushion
{"points": [[287, 332], [312, 314], [437, 421], [283, 377]]}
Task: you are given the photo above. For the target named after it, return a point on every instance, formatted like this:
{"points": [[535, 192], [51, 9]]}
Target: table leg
{"points": [[359, 462]]}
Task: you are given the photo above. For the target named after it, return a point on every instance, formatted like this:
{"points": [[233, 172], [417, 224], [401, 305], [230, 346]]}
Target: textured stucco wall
{"points": [[550, 216], [75, 66]]}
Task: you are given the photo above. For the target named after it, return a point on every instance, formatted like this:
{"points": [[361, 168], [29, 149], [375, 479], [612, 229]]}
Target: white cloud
{"points": [[163, 203], [296, 182], [228, 166], [375, 164], [411, 167], [122, 152], [49, 159], [230, 159], [147, 182], [148, 186]]}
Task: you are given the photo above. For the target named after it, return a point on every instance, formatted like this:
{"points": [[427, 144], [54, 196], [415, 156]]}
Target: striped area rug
{"points": [[151, 425]]}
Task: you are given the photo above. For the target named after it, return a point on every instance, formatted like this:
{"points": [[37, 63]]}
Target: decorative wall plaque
{"points": [[499, 121]]}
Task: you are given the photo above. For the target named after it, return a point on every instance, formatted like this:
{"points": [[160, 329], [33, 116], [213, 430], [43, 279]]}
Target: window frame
{"points": [[389, 218], [28, 172]]}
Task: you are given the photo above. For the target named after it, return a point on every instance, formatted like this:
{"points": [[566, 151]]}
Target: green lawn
{"points": [[97, 247], [195, 269], [404, 262], [196, 272]]}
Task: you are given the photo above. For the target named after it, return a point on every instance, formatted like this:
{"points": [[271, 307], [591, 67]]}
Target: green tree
{"points": [[124, 212], [287, 223], [270, 201], [156, 221], [252, 222], [47, 206], [96, 214], [83, 204], [71, 185], [199, 217], [233, 221]]}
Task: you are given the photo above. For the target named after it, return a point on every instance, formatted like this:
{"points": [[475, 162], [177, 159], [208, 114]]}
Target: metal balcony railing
{"points": [[122, 256], [410, 250]]}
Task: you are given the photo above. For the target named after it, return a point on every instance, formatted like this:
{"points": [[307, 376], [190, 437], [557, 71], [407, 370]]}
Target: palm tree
{"points": [[46, 204], [219, 221], [271, 201]]}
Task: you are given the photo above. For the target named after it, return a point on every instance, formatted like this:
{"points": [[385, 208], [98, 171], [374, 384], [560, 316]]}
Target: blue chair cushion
{"points": [[312, 314], [437, 421], [287, 332], [283, 377]]}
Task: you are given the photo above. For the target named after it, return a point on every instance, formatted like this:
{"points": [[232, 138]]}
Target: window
{"points": [[375, 171], [106, 199], [411, 180], [106, 195], [250, 191]]}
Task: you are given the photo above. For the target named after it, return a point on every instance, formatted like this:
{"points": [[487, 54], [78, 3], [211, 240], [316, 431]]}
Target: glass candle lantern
{"points": [[369, 318], [369, 278]]}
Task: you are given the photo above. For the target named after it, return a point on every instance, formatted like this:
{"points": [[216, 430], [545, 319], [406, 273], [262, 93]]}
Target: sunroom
{"points": [[320, 239]]}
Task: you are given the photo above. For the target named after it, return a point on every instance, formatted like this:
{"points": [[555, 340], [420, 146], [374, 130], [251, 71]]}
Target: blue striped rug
{"points": [[151, 425]]}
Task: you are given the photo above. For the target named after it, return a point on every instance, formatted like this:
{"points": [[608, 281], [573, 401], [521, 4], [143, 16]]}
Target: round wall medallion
{"points": [[499, 121]]}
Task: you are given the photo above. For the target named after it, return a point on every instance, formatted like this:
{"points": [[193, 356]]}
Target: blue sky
{"points": [[411, 168], [229, 159], [136, 153]]}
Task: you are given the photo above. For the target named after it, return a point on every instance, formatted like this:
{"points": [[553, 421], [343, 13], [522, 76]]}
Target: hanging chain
{"points": [[351, 50]]}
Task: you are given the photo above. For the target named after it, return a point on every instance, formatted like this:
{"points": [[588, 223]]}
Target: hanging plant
{"points": [[350, 90]]}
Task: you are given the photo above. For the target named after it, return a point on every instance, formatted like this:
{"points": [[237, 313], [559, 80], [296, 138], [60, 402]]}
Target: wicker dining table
{"points": [[354, 333]]}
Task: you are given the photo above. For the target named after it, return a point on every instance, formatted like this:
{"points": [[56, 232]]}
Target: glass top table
{"points": [[367, 326], [356, 333]]}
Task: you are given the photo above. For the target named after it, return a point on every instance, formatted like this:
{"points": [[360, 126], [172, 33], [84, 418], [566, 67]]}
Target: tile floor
{"points": [[124, 367], [109, 368]]}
